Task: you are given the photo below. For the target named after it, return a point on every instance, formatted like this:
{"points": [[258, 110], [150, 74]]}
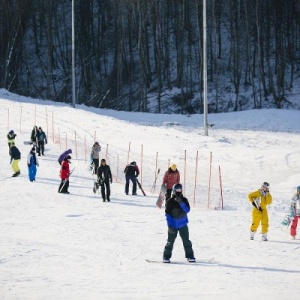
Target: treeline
{"points": [[131, 53]]}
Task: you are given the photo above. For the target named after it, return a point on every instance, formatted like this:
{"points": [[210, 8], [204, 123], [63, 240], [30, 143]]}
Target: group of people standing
{"points": [[38, 139]]}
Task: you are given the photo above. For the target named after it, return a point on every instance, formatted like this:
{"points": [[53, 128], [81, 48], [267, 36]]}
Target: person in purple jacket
{"points": [[177, 208]]}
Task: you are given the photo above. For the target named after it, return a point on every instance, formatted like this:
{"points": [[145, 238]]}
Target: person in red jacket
{"points": [[64, 175], [171, 177]]}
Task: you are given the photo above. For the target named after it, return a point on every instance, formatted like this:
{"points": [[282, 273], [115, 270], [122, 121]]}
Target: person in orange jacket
{"points": [[171, 177], [260, 199]]}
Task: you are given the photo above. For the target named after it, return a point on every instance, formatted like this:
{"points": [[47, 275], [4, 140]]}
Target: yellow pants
{"points": [[258, 218], [15, 165]]}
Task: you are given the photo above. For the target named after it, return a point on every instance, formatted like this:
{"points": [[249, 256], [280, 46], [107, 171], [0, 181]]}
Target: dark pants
{"points": [[168, 194], [187, 244], [96, 164], [105, 185], [133, 179], [40, 148], [64, 185]]}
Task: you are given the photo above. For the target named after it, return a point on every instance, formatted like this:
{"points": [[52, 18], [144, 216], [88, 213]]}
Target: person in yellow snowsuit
{"points": [[260, 199]]}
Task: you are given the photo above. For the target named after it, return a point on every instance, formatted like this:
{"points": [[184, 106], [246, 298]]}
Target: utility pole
{"points": [[73, 56], [204, 71]]}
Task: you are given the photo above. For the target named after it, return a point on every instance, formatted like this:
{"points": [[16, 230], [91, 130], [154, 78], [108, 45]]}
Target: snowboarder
{"points": [[41, 140], [32, 163], [295, 213], [260, 199], [104, 179], [11, 138], [64, 175], [177, 208], [15, 157], [131, 173], [95, 156], [64, 155], [171, 177]]}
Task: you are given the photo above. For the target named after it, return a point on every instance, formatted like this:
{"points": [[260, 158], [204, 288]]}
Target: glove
{"points": [[111, 181], [178, 199], [260, 209], [254, 204], [171, 230], [38, 165]]}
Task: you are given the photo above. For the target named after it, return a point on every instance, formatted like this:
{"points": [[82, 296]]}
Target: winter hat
{"points": [[11, 132], [266, 185], [133, 163], [174, 167], [32, 150], [68, 157], [298, 188]]}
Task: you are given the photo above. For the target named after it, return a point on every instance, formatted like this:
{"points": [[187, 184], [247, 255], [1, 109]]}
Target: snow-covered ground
{"points": [[55, 246]]}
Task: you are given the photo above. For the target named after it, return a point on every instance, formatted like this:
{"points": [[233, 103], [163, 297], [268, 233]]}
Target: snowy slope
{"points": [[55, 246]]}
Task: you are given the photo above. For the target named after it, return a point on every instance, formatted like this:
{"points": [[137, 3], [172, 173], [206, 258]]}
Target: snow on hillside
{"points": [[56, 246]]}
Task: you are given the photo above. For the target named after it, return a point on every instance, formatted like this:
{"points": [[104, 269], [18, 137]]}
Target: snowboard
{"points": [[198, 261], [161, 196], [27, 143]]}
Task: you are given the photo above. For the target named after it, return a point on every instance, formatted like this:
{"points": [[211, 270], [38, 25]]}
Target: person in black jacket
{"points": [[131, 173], [104, 179], [15, 156], [41, 140]]}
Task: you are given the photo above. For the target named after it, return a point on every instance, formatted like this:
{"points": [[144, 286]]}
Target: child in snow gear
{"points": [[64, 175], [15, 156], [260, 199], [177, 208], [64, 155], [171, 177], [32, 163], [104, 179], [11, 138], [294, 215], [41, 140], [131, 173], [95, 156]]}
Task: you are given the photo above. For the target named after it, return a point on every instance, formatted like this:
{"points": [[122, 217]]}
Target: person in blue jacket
{"points": [[177, 208], [32, 163]]}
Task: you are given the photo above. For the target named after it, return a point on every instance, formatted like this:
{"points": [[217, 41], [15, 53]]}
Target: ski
{"points": [[198, 261], [62, 187], [140, 186], [154, 183]]}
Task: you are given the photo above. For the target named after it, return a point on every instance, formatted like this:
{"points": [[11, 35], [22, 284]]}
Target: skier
{"points": [[177, 208], [171, 177], [64, 155], [15, 157], [131, 173], [104, 179], [295, 213], [42, 140], [11, 138], [260, 199], [64, 175], [95, 156], [32, 163]]}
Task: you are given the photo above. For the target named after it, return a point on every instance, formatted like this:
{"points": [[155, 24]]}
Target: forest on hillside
{"points": [[147, 55]]}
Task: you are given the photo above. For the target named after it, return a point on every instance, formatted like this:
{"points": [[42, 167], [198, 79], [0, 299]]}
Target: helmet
{"points": [[265, 184], [174, 167], [11, 132], [177, 189]]}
